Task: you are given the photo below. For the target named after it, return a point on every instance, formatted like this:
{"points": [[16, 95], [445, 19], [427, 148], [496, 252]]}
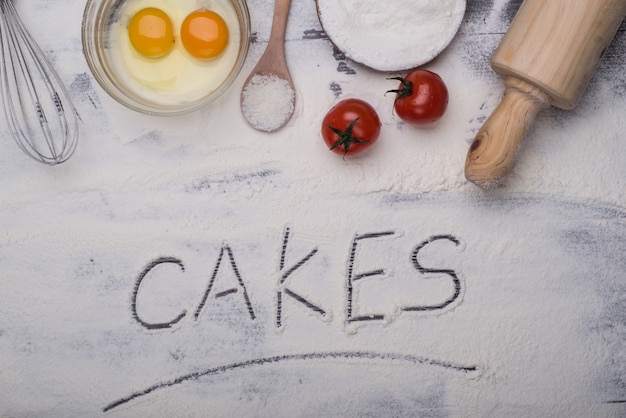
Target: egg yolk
{"points": [[204, 34], [151, 33]]}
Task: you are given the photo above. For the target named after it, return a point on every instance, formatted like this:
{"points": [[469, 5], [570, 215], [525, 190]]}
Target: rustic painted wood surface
{"points": [[193, 266]]}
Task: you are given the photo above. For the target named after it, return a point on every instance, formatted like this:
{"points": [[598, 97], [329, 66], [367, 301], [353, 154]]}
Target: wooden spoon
{"points": [[268, 94]]}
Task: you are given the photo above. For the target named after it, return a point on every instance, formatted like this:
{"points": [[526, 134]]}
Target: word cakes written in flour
{"points": [[353, 277]]}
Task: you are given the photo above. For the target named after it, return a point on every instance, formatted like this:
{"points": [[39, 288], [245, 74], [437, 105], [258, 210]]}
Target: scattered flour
{"points": [[518, 268], [391, 36], [267, 102]]}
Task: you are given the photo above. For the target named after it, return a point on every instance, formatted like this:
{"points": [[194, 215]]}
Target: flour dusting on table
{"points": [[192, 265]]}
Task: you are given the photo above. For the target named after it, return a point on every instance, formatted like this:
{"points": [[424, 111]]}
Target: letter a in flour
{"points": [[240, 285]]}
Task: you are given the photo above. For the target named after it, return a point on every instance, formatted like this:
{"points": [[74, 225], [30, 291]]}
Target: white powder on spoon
{"points": [[391, 36], [267, 102]]}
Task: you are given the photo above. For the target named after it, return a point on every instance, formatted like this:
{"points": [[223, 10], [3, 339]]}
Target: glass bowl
{"points": [[129, 78]]}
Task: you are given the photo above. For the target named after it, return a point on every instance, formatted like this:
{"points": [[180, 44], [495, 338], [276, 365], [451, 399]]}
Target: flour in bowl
{"points": [[391, 36]]}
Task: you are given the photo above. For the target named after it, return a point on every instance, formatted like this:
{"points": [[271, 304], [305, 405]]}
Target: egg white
{"points": [[178, 77]]}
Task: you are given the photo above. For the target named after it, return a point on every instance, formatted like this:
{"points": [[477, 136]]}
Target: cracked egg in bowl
{"points": [[165, 57]]}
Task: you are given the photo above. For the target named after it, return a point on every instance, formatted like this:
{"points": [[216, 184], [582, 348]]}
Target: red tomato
{"points": [[421, 98], [350, 127]]}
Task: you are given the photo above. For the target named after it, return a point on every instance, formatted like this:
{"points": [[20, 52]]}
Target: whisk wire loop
{"points": [[36, 104]]}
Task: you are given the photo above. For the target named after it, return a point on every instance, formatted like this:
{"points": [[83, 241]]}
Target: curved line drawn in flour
{"points": [[335, 355]]}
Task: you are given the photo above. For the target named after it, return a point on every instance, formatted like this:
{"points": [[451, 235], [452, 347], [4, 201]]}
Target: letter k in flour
{"points": [[285, 275]]}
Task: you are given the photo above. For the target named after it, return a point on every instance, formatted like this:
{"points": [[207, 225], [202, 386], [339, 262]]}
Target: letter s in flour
{"points": [[453, 276]]}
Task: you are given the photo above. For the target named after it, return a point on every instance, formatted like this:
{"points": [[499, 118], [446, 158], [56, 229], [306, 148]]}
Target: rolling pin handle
{"points": [[494, 150]]}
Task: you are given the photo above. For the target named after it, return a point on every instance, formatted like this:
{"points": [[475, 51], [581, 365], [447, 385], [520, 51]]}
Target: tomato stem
{"points": [[406, 88], [345, 137]]}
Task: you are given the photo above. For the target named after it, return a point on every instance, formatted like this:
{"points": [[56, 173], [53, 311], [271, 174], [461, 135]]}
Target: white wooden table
{"points": [[192, 266]]}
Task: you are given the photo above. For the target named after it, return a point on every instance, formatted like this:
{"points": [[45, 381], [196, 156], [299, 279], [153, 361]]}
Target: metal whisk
{"points": [[38, 109]]}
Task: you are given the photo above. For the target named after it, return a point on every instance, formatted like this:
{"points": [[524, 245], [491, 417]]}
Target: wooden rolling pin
{"points": [[547, 57]]}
